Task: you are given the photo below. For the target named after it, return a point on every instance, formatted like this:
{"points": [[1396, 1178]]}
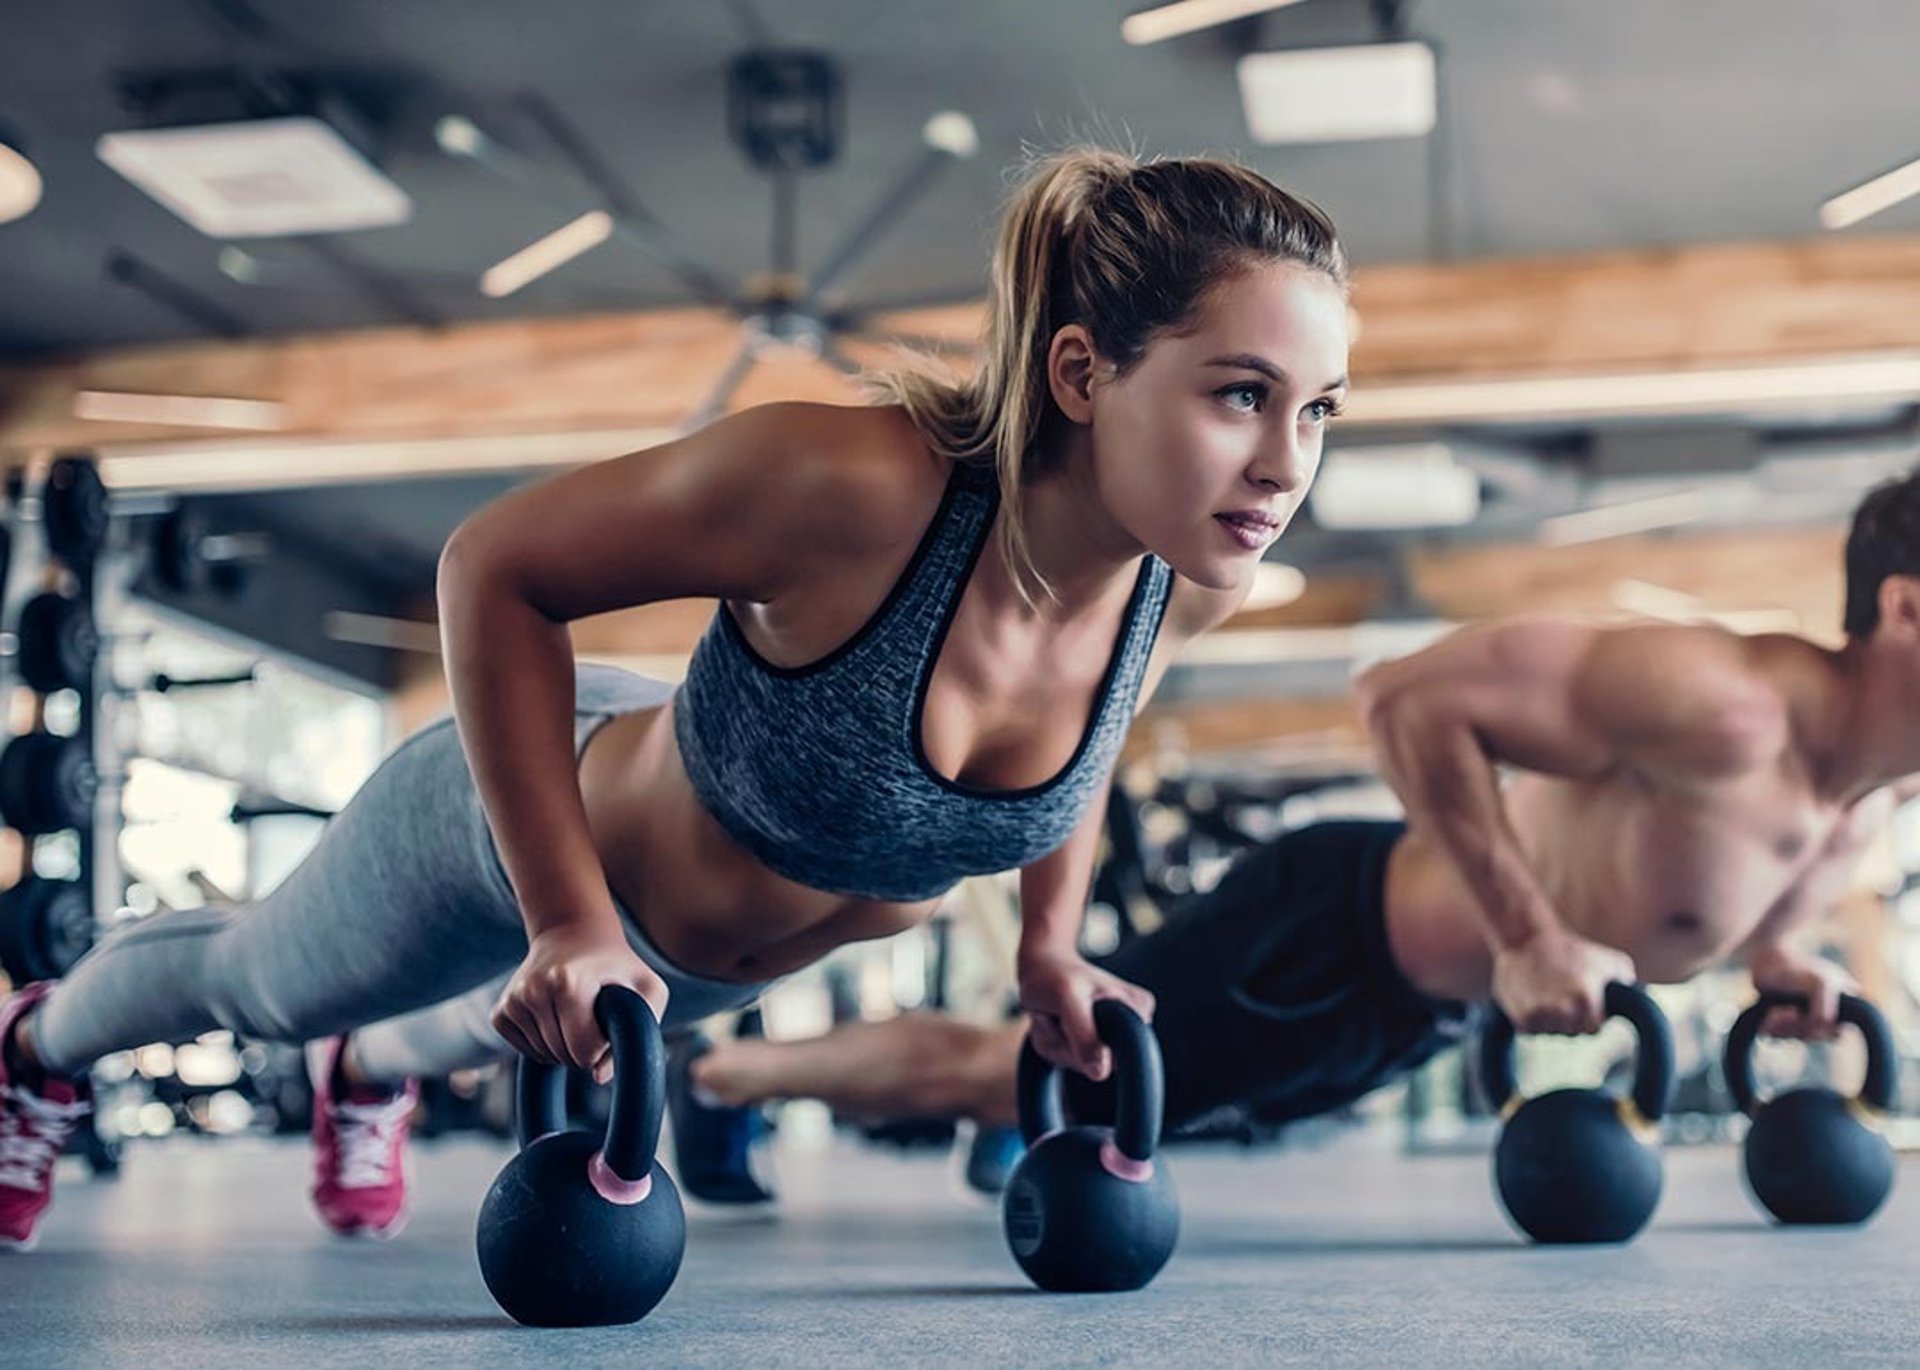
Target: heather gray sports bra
{"points": [[818, 770]]}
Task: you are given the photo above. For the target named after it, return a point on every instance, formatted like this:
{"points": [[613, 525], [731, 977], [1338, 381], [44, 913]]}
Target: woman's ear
{"points": [[1071, 361]]}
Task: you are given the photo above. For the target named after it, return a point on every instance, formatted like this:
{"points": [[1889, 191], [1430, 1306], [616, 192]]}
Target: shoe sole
{"points": [[26, 1243], [361, 1232]]}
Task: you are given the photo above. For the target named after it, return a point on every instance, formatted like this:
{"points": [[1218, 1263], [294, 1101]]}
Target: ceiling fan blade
{"points": [[868, 313], [786, 230], [631, 218], [373, 283], [274, 274], [459, 136], [715, 403], [840, 361], [947, 137]]}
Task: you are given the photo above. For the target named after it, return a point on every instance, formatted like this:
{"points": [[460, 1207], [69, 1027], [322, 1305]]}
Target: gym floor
{"points": [[202, 1254]]}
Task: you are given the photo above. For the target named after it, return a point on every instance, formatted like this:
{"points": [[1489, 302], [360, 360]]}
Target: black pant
{"points": [[1277, 987]]}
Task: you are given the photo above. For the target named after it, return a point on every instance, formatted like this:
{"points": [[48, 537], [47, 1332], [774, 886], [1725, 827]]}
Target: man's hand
{"points": [[1780, 970], [1557, 982]]}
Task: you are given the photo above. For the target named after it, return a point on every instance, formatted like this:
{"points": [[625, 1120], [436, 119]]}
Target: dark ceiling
{"points": [[1566, 126]]}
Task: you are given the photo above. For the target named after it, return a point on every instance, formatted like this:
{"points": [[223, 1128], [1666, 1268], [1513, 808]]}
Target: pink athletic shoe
{"points": [[359, 1149], [37, 1115]]}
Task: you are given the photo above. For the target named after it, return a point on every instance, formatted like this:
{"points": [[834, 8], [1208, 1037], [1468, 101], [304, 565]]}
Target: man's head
{"points": [[1883, 559]]}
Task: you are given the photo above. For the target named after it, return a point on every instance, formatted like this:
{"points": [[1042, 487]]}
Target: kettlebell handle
{"points": [[1653, 1068], [1876, 1091], [639, 1086], [1140, 1079]]}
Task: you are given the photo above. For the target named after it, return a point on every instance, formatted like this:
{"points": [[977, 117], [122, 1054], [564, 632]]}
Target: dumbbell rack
{"points": [[48, 781], [56, 528]]}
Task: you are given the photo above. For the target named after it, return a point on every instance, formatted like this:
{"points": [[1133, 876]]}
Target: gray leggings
{"points": [[400, 925]]}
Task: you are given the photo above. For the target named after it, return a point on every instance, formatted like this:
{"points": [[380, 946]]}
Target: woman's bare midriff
{"points": [[709, 906]]}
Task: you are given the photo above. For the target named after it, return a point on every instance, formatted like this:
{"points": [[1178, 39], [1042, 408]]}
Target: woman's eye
{"points": [[1323, 409], [1254, 397]]}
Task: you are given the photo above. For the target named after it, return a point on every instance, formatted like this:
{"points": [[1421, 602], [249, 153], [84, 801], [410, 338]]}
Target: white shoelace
{"points": [[367, 1134], [32, 1131]]}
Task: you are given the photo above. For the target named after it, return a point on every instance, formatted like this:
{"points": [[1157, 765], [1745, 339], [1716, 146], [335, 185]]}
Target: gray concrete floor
{"points": [[202, 1254]]}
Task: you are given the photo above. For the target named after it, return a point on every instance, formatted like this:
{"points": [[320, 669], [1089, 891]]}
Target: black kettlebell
{"points": [[1581, 1165], [1087, 1209], [575, 1233], [1814, 1155]]}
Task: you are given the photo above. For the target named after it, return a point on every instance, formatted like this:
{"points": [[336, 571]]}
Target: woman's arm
{"points": [[1057, 986], [747, 509]]}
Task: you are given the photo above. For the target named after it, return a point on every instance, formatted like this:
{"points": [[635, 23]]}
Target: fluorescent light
{"points": [[1648, 600], [185, 411], [1262, 646], [1188, 16], [458, 136], [20, 184], [257, 177], [1374, 640], [1337, 95], [1629, 516], [293, 463], [238, 265], [1870, 197], [378, 630], [951, 132], [1409, 485], [556, 249], [1882, 377]]}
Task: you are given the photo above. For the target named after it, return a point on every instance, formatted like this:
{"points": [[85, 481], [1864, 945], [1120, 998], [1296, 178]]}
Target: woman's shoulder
{"points": [[862, 476]]}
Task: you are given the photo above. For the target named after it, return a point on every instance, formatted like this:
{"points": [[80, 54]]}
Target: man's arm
{"points": [[1681, 705], [1773, 951]]}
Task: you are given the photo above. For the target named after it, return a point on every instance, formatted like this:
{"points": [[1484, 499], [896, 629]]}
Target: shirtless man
{"points": [[1679, 796]]}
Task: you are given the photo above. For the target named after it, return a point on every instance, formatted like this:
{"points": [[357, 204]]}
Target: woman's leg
{"points": [[456, 1034], [401, 905]]}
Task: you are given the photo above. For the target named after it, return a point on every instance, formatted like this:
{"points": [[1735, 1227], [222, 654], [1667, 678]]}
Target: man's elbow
{"points": [[1380, 701]]}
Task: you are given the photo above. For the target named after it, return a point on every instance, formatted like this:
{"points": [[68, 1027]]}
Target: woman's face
{"points": [[1204, 450]]}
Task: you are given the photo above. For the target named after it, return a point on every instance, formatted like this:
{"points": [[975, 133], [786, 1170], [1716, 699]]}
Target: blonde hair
{"points": [[1125, 248]]}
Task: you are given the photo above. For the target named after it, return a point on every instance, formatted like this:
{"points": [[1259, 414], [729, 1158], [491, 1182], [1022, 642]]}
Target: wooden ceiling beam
{"points": [[1684, 309]]}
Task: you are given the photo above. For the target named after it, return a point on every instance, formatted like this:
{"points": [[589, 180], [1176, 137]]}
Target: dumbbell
{"points": [[185, 556], [47, 783], [45, 926], [58, 643], [73, 510]]}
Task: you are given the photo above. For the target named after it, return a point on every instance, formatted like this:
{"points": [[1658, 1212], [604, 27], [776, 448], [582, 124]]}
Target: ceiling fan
{"points": [[785, 116]]}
